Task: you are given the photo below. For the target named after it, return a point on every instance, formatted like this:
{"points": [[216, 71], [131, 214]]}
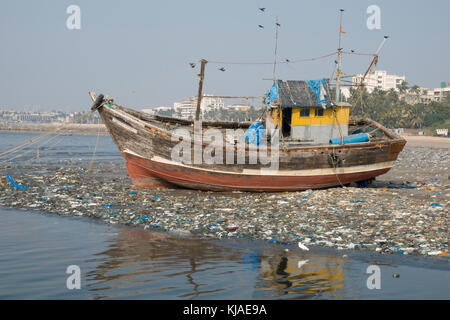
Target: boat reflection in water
{"points": [[157, 265]]}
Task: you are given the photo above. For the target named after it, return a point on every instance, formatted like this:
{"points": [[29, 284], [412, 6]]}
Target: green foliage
{"points": [[387, 108]]}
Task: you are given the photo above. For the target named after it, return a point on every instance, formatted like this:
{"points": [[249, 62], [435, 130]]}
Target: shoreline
{"points": [[412, 141], [427, 141]]}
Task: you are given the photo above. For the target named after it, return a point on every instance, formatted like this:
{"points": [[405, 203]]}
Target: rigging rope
{"points": [[26, 152], [40, 137], [95, 150], [278, 62]]}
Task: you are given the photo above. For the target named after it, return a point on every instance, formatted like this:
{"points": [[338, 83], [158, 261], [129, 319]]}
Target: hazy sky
{"points": [[138, 51]]}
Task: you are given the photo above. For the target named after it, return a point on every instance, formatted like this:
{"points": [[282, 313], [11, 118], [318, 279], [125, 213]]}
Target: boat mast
{"points": [[276, 47], [339, 62], [200, 88], [373, 62]]}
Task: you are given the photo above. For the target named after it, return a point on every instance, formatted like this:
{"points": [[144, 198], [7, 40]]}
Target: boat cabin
{"points": [[304, 111]]}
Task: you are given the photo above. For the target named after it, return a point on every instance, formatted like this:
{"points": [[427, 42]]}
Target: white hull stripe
{"points": [[124, 125], [268, 172]]}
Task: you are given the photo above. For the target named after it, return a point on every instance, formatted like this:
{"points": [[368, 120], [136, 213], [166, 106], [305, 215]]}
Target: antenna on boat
{"points": [[374, 61], [276, 47], [200, 88], [339, 61]]}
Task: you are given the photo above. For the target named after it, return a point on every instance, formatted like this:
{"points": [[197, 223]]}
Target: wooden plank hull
{"points": [[147, 173], [147, 146]]}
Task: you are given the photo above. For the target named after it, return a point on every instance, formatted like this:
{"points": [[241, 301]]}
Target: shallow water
{"points": [[130, 263]]}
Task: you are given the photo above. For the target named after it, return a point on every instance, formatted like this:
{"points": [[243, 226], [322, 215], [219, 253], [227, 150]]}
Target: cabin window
{"points": [[319, 112], [304, 112]]}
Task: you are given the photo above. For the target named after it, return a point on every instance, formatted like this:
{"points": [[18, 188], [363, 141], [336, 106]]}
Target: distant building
{"points": [[379, 79], [398, 131], [440, 93], [237, 107], [149, 111], [186, 109], [15, 117], [425, 95]]}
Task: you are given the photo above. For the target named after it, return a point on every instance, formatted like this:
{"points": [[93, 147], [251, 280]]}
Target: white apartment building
{"points": [[157, 109], [186, 108], [426, 95], [440, 93], [379, 79]]}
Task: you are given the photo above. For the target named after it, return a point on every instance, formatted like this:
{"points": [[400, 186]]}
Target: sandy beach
{"points": [[426, 141]]}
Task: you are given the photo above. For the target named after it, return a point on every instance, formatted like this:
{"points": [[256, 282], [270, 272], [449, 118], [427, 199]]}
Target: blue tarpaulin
{"points": [[18, 186], [317, 86], [255, 134], [272, 95], [355, 138]]}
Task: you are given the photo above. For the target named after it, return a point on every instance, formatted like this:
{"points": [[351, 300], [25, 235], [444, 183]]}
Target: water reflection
{"points": [[156, 265]]}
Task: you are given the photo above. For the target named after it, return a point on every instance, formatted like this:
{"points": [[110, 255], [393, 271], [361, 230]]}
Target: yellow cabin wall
{"points": [[274, 118], [342, 115]]}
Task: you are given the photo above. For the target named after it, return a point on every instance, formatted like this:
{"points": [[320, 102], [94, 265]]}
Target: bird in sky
{"points": [[192, 65], [262, 27], [287, 60], [222, 69], [352, 51], [262, 9], [278, 24]]}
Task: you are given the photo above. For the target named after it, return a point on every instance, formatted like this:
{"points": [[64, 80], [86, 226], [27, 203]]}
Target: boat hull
{"points": [[150, 174], [146, 147]]}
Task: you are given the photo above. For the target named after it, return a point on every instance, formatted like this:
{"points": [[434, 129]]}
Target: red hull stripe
{"points": [[161, 174]]}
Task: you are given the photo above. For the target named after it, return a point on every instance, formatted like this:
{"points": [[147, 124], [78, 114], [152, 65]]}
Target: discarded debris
{"points": [[403, 212]]}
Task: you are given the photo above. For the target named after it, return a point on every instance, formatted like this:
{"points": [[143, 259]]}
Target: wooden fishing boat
{"points": [[311, 141], [146, 143]]}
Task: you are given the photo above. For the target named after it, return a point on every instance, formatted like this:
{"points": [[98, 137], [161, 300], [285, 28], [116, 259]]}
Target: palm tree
{"points": [[403, 87], [415, 89], [416, 114]]}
